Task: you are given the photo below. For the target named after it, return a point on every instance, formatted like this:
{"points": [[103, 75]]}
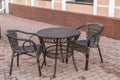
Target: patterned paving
{"points": [[109, 70]]}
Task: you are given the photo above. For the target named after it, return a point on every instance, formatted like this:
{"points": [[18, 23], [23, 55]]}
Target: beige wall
{"points": [[102, 11], [58, 5], [117, 3], [87, 9], [43, 4], [117, 13], [19, 1], [103, 2], [29, 2]]}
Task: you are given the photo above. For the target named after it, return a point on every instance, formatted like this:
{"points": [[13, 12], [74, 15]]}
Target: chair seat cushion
{"points": [[84, 43], [80, 45], [81, 42], [27, 49]]}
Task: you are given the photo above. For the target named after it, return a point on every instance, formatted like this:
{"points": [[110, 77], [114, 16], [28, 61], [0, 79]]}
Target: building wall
{"points": [[78, 8], [65, 18], [106, 9]]}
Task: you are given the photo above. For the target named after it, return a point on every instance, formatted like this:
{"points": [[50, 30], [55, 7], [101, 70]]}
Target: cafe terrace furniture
{"points": [[93, 33], [57, 44], [22, 46]]}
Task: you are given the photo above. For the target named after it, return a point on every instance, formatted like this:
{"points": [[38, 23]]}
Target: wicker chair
{"points": [[93, 32], [21, 46]]}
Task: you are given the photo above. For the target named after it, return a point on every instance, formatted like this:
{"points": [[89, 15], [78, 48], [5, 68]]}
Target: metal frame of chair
{"points": [[93, 32], [27, 46]]}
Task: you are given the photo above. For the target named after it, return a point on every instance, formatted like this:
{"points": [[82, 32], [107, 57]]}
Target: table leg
{"points": [[61, 51], [54, 75], [68, 40]]}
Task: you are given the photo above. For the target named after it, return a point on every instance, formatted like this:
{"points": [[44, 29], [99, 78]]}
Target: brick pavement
{"points": [[109, 70]]}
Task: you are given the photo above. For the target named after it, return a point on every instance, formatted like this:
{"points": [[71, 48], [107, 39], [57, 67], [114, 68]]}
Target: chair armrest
{"points": [[29, 33], [80, 27], [25, 32], [31, 43], [90, 37], [24, 42]]}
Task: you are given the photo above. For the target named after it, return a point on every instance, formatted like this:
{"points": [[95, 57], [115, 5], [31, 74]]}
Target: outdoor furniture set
{"points": [[56, 43]]}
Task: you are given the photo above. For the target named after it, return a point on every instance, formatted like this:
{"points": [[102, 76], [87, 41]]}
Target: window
{"points": [[81, 1]]}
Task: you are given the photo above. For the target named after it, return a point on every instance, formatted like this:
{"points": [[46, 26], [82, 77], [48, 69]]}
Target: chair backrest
{"points": [[94, 30], [12, 34]]}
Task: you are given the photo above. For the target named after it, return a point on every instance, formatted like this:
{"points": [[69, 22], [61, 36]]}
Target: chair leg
{"points": [[66, 60], [54, 75], [17, 59], [74, 61], [44, 60], [44, 57], [38, 63], [63, 60], [100, 54], [11, 64], [87, 58]]}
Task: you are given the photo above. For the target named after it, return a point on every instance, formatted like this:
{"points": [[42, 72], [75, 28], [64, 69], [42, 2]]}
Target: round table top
{"points": [[58, 32]]}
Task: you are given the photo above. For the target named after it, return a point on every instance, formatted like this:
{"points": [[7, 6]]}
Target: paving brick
{"points": [[109, 70]]}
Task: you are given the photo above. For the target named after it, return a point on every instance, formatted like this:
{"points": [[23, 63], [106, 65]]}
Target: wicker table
{"points": [[57, 42]]}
